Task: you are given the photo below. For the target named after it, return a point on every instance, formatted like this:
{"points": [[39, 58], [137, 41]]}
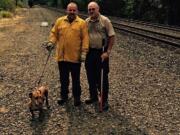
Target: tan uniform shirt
{"points": [[98, 30]]}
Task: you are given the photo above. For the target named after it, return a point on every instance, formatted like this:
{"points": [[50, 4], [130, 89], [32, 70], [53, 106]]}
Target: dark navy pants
{"points": [[65, 68], [93, 65]]}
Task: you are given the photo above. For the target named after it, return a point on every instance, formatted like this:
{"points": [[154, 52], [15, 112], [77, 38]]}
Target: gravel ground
{"points": [[144, 85]]}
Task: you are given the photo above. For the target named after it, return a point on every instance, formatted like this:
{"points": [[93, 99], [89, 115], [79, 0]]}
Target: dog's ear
{"points": [[30, 95]]}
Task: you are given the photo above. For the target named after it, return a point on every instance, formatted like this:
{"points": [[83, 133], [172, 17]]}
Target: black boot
{"points": [[105, 106], [77, 102], [62, 101], [91, 100]]}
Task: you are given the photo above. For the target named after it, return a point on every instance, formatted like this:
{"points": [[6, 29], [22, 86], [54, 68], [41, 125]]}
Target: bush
{"points": [[8, 5], [20, 4], [5, 14]]}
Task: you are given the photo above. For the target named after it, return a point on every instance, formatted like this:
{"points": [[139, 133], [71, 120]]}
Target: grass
{"points": [[5, 14]]}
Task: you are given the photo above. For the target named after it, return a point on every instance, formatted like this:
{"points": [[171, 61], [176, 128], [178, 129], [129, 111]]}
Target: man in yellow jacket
{"points": [[70, 36]]}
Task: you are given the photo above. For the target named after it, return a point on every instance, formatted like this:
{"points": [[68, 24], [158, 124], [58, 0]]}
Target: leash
{"points": [[40, 78]]}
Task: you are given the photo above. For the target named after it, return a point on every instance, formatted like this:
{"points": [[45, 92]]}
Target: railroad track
{"points": [[145, 33], [155, 25], [161, 37]]}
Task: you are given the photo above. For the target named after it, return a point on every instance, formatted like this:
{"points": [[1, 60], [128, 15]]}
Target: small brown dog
{"points": [[37, 100]]}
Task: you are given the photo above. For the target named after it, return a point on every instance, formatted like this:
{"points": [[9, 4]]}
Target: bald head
{"points": [[93, 4], [72, 11], [72, 4], [93, 10]]}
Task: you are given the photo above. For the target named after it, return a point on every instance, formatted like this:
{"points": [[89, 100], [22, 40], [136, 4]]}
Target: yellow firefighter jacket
{"points": [[71, 39]]}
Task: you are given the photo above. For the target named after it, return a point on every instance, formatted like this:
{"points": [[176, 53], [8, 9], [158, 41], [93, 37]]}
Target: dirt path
{"points": [[144, 81]]}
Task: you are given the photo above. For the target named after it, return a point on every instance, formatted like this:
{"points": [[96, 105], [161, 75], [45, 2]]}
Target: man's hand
{"points": [[105, 55], [49, 46], [83, 57]]}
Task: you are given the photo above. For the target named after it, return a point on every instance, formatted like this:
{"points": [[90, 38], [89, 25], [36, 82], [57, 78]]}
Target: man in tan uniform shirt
{"points": [[101, 33]]}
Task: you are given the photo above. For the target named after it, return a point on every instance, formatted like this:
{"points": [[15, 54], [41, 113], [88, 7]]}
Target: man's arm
{"points": [[85, 41], [53, 37], [111, 40]]}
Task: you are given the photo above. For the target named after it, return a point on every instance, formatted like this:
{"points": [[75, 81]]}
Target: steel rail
{"points": [[153, 32], [168, 27], [148, 36]]}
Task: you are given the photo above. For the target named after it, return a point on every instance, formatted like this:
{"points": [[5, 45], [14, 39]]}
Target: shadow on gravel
{"points": [[39, 124], [87, 120], [125, 123]]}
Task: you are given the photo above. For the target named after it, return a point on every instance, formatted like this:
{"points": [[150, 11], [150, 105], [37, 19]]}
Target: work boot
{"points": [[62, 101], [77, 102], [91, 100], [105, 106]]}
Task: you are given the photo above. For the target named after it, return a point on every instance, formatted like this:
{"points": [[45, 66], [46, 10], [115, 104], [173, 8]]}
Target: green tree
{"points": [[113, 7], [8, 5], [173, 9], [129, 5]]}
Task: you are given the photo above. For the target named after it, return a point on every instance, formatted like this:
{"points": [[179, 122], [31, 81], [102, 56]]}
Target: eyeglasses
{"points": [[91, 9]]}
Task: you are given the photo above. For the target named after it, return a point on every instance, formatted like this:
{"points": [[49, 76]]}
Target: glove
{"points": [[49, 46], [83, 57]]}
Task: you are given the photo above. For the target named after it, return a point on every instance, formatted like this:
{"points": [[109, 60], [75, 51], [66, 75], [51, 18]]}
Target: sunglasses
{"points": [[91, 9]]}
